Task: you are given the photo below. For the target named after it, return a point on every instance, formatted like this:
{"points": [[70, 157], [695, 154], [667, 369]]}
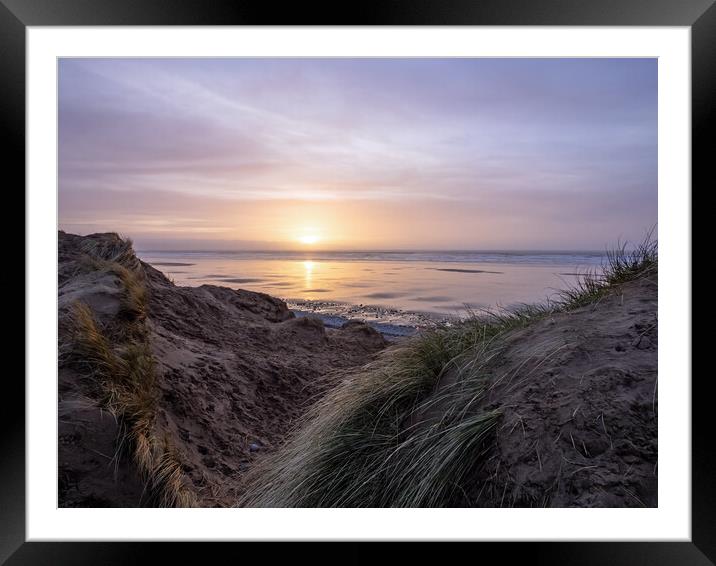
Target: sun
{"points": [[309, 239]]}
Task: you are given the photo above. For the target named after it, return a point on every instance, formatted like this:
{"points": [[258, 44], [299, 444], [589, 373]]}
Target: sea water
{"points": [[392, 287]]}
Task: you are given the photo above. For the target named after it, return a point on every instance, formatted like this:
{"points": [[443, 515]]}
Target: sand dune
{"points": [[234, 369], [186, 395]]}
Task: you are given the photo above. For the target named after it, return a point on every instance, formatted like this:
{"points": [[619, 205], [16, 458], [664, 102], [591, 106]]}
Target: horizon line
{"points": [[381, 250]]}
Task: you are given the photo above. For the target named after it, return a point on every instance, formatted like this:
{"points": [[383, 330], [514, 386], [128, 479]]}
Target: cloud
{"points": [[572, 138]]}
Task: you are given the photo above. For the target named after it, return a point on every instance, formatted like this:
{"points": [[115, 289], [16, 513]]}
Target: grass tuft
{"points": [[115, 255], [121, 366], [411, 428], [111, 248], [403, 431], [621, 266]]}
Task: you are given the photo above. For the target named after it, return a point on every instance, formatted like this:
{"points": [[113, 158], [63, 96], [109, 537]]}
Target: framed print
{"points": [[294, 277]]}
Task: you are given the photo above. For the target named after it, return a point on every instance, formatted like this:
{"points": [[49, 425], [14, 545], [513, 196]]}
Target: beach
{"points": [[394, 291]]}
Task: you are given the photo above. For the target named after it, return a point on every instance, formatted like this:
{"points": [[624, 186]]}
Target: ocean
{"points": [[388, 287]]}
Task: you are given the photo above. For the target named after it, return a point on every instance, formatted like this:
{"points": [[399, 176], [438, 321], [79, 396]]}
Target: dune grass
{"points": [[120, 364], [111, 248], [622, 265], [411, 428], [116, 255]]}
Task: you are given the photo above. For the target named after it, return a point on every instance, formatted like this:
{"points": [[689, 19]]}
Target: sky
{"points": [[451, 154]]}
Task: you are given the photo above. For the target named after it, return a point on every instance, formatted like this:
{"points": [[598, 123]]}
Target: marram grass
{"points": [[408, 429], [123, 373]]}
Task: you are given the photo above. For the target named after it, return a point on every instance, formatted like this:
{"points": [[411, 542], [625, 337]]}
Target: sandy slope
{"points": [[234, 369], [579, 397]]}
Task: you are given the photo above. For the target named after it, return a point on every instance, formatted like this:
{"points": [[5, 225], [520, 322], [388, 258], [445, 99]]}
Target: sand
{"points": [[236, 369], [579, 398]]}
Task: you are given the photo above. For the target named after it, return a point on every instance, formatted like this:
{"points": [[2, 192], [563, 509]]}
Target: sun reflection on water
{"points": [[308, 276]]}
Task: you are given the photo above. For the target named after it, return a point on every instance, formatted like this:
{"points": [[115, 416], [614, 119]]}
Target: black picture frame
{"points": [[17, 15]]}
